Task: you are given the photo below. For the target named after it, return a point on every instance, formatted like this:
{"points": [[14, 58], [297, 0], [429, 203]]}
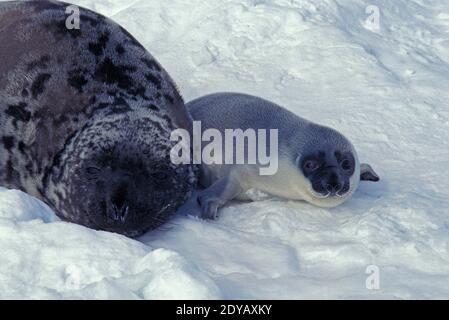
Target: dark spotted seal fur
{"points": [[85, 120]]}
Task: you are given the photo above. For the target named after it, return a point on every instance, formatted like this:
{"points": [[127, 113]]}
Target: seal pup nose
{"points": [[332, 184], [333, 187]]}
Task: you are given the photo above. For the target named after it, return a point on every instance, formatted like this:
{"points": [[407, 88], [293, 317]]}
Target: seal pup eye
{"points": [[310, 165], [346, 164]]}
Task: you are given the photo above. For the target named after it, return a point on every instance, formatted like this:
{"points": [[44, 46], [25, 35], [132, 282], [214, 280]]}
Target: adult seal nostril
{"points": [[83, 111], [119, 197], [120, 214]]}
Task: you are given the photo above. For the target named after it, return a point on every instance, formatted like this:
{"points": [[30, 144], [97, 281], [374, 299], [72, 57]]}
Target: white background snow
{"points": [[387, 90]]}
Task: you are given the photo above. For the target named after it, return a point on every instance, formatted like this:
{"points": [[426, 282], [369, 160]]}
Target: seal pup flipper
{"points": [[367, 173], [214, 197]]}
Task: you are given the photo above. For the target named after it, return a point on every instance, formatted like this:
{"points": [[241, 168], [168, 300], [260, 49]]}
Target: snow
{"points": [[386, 89]]}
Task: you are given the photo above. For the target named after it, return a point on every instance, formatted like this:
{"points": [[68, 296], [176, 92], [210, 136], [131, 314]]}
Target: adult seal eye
{"points": [[92, 170], [160, 176], [310, 165]]}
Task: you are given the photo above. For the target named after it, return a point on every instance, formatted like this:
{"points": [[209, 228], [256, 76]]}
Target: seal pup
{"points": [[316, 163], [85, 119]]}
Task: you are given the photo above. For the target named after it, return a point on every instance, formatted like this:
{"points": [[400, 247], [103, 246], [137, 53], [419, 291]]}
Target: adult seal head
{"points": [[85, 119], [315, 163]]}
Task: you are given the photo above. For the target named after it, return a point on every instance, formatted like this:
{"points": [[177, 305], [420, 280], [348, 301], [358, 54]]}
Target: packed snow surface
{"points": [[386, 87]]}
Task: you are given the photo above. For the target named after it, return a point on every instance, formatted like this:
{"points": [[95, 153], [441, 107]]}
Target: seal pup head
{"points": [[116, 175], [330, 167]]}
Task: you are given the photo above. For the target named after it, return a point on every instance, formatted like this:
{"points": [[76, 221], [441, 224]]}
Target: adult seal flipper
{"points": [[85, 120]]}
